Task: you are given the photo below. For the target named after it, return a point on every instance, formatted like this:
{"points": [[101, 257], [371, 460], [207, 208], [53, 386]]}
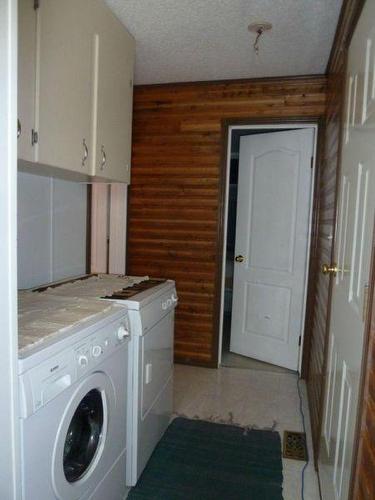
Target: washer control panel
{"points": [[123, 332], [44, 382], [83, 360], [96, 350], [92, 351]]}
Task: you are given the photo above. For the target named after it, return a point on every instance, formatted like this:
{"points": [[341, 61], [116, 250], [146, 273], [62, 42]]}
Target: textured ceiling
{"points": [[191, 40]]}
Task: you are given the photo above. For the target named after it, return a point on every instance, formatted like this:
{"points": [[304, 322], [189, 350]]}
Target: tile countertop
{"points": [[42, 316]]}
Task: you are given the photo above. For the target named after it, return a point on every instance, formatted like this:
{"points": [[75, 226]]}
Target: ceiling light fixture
{"points": [[259, 29]]}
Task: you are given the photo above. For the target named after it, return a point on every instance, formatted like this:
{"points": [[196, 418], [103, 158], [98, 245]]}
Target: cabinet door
{"points": [[114, 100], [64, 86], [26, 77]]}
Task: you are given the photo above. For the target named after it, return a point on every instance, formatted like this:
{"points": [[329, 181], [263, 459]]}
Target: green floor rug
{"points": [[197, 460]]}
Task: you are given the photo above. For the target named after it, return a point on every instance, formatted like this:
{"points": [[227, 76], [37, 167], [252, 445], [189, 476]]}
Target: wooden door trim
{"points": [[365, 371], [313, 263], [225, 125], [348, 19]]}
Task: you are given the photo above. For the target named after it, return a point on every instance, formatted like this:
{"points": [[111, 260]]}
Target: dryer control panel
{"points": [[44, 382]]}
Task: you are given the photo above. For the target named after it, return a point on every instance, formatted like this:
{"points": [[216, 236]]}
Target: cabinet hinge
{"points": [[312, 162], [34, 137], [36, 4], [299, 340]]}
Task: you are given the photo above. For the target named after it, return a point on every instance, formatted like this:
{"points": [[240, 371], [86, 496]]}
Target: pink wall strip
{"points": [[117, 228], [99, 228]]}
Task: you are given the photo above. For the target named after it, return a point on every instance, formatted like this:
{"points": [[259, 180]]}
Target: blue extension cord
{"points": [[304, 430]]}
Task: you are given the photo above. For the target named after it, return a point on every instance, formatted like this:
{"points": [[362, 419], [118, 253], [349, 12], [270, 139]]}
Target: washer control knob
{"points": [[96, 351], [122, 332], [83, 360]]}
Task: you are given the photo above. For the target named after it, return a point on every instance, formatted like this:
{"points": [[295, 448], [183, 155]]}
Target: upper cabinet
{"points": [[64, 88], [82, 105], [26, 79], [112, 99]]}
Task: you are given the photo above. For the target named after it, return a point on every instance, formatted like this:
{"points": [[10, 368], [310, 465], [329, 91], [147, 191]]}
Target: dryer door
{"points": [[79, 458]]}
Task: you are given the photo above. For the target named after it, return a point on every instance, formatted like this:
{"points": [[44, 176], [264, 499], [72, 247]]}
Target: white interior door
{"points": [[272, 234], [352, 254]]}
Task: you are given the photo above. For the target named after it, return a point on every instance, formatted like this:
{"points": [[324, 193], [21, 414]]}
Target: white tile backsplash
{"points": [[51, 229], [69, 229]]}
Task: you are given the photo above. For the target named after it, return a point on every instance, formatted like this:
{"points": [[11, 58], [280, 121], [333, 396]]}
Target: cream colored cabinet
{"points": [[26, 79], [64, 68], [75, 89], [112, 125]]}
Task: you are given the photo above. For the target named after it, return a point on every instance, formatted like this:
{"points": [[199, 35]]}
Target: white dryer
{"points": [[151, 315], [74, 411]]}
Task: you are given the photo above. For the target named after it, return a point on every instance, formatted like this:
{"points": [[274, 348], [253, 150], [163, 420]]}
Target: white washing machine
{"points": [[151, 304], [74, 412]]}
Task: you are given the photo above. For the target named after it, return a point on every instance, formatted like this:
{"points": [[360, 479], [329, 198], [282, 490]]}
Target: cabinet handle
{"points": [[85, 152], [18, 128], [104, 158]]}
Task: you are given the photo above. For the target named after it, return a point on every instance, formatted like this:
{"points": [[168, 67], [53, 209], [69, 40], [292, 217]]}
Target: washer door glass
{"points": [[83, 436]]}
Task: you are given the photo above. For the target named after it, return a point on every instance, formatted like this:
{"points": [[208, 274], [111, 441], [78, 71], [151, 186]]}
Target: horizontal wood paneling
{"points": [[175, 198]]}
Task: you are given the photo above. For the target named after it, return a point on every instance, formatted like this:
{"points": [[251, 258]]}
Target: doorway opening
{"points": [[247, 303]]}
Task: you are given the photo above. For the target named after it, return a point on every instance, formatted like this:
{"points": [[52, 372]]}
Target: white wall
{"points": [[51, 229], [9, 455]]}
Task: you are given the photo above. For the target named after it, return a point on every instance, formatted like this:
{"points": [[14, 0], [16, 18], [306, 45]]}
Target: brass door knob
{"points": [[327, 269], [239, 258]]}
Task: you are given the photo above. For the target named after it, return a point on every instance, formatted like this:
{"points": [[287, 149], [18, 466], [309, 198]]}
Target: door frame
{"points": [[229, 125], [10, 482], [365, 376]]}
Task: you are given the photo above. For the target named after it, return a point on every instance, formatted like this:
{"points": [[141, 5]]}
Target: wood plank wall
{"points": [[320, 315], [174, 203]]}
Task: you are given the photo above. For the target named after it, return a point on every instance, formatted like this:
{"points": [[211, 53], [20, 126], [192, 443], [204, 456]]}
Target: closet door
{"points": [[64, 75], [26, 78], [114, 61]]}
